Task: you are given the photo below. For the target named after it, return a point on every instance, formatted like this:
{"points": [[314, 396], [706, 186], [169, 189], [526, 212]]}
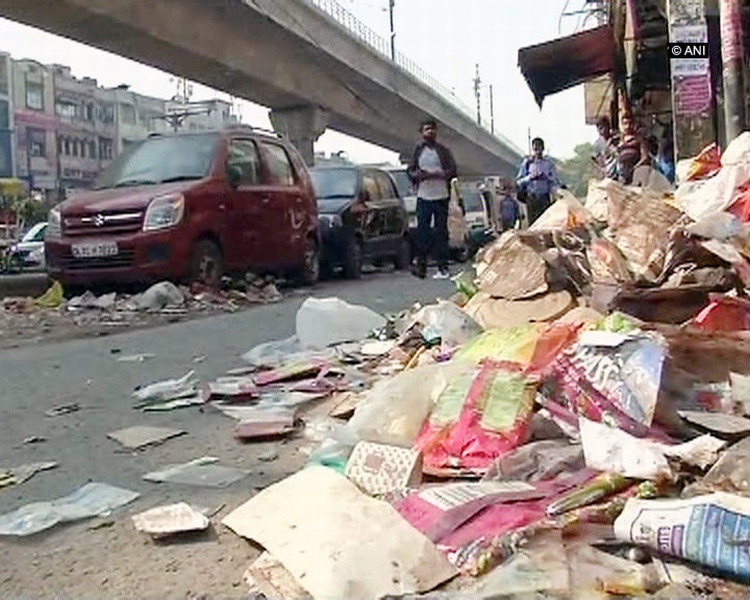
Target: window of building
{"points": [[279, 165], [84, 147], [89, 113], [92, 149], [37, 142], [243, 154], [34, 95], [65, 109], [127, 114], [4, 115], [107, 113], [105, 148], [4, 77]]}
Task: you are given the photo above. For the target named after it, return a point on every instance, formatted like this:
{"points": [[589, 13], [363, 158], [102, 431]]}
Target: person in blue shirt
{"points": [[537, 180], [665, 159]]}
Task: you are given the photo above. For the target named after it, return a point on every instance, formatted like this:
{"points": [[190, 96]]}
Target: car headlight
{"points": [[54, 224], [164, 212]]}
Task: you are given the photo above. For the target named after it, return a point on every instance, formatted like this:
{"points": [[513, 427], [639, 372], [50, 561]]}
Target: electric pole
{"points": [[492, 110], [477, 93], [391, 6]]}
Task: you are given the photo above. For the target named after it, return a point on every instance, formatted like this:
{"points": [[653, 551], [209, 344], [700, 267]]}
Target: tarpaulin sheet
{"points": [[566, 62]]}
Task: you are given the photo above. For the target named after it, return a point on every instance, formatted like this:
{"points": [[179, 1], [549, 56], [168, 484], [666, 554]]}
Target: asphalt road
{"points": [[36, 378]]}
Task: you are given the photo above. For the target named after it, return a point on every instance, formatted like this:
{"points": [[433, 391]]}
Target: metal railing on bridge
{"points": [[382, 46]]}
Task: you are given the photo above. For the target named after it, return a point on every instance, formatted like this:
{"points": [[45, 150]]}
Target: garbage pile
{"points": [[576, 420], [162, 302]]}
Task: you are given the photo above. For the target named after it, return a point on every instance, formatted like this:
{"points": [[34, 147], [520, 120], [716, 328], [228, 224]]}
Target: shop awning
{"points": [[566, 62]]}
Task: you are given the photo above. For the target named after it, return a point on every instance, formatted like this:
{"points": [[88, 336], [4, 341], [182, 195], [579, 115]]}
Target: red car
{"points": [[190, 207]]}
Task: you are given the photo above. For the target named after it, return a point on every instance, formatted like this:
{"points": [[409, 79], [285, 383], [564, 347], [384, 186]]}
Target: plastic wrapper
{"points": [[394, 410], [537, 461], [724, 314], [712, 530], [706, 164], [329, 321], [478, 418], [610, 376], [516, 344]]}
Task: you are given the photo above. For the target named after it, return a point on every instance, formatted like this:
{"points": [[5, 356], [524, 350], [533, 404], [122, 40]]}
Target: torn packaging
{"points": [[478, 417], [330, 537], [514, 271], [379, 469]]}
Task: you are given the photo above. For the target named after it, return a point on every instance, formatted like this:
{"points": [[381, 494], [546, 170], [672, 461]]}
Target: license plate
{"points": [[94, 250]]}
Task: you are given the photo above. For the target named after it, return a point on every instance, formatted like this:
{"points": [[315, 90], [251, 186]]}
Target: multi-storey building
{"points": [[57, 132]]}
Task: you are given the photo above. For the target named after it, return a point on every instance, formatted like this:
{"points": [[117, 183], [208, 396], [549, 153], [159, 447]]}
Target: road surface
{"points": [[110, 559]]}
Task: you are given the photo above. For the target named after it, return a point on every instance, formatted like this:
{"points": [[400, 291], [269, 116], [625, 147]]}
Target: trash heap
{"points": [[162, 302], [575, 420]]}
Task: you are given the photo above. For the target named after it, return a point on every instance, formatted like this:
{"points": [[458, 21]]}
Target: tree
{"points": [[576, 172]]}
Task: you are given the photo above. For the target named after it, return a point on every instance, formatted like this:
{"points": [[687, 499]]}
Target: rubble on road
{"points": [[575, 428], [165, 521], [574, 423], [52, 315]]}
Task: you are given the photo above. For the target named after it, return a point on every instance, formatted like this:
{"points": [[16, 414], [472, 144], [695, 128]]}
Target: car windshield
{"points": [[35, 234], [334, 184], [161, 160], [403, 183], [472, 201]]}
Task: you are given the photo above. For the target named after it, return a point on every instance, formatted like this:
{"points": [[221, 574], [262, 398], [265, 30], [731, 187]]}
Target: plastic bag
{"points": [[478, 417], [159, 296], [52, 298], [448, 323], [393, 411], [719, 226], [329, 321]]}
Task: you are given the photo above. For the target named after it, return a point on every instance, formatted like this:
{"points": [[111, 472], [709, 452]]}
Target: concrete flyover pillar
{"points": [[303, 126]]}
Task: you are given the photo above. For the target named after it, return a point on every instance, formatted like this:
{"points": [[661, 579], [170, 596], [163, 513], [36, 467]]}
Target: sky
{"points": [[447, 38]]}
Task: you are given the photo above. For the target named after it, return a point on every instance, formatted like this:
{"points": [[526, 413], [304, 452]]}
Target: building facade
{"points": [[58, 132], [7, 161]]}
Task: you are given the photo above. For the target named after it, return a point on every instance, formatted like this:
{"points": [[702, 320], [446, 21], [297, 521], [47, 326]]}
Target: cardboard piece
{"points": [[338, 542], [268, 577], [163, 521], [379, 469], [141, 436], [721, 424], [18, 475], [514, 271], [497, 313]]}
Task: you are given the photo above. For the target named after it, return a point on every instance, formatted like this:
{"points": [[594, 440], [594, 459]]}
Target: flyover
{"points": [[310, 61]]}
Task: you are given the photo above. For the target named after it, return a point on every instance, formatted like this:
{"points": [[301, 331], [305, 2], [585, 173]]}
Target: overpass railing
{"points": [[383, 46]]}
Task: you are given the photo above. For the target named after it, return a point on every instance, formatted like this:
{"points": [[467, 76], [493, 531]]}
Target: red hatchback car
{"points": [[190, 207]]}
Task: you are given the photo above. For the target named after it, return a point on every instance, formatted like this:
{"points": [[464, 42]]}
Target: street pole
{"points": [[730, 18], [492, 110], [477, 93], [391, 6]]}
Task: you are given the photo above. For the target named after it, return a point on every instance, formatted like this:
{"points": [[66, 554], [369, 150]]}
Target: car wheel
{"points": [[207, 264], [403, 258], [310, 272], [353, 261]]}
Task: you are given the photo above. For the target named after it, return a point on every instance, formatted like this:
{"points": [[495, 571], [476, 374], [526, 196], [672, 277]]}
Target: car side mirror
{"points": [[234, 175]]}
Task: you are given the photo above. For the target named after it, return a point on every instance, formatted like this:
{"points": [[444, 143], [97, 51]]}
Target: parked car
{"points": [[190, 207], [362, 217], [479, 206], [28, 253]]}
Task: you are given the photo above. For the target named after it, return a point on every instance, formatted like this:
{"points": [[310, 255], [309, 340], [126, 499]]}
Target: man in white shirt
{"points": [[431, 170]]}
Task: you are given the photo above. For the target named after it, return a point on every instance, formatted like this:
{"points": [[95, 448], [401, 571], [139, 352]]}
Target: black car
{"points": [[361, 217]]}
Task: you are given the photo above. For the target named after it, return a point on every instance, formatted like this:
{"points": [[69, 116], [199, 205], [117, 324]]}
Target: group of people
{"points": [[619, 155], [616, 155]]}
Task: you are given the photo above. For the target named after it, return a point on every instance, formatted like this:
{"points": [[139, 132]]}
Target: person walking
{"points": [[510, 214], [537, 180], [432, 169]]}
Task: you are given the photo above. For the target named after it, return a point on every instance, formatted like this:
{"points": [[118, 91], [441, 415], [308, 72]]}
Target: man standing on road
{"points": [[537, 179], [431, 170]]}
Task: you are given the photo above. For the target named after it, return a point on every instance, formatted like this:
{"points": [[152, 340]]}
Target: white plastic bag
{"points": [[448, 322], [328, 321]]}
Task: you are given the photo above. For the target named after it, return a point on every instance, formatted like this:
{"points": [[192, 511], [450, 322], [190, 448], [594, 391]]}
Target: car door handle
{"points": [[266, 201]]}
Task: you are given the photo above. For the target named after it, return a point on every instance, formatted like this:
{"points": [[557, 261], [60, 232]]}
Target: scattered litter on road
{"points": [[133, 358], [378, 469], [165, 521], [201, 472], [140, 436], [64, 409], [91, 500], [35, 439], [19, 475], [268, 577], [170, 389], [329, 321]]}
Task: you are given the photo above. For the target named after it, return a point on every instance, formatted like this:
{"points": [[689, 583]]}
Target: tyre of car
{"points": [[403, 258], [310, 270], [353, 259], [206, 264]]}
